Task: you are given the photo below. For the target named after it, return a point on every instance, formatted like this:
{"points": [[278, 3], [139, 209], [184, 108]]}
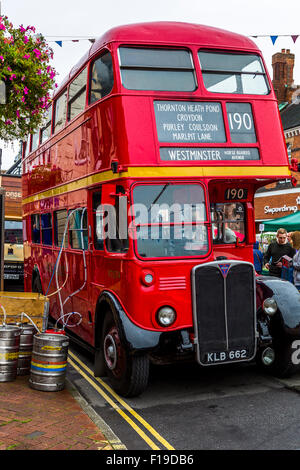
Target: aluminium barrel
{"points": [[49, 361], [25, 351], [9, 352]]}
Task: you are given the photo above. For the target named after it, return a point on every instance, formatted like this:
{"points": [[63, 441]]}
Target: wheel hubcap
{"points": [[110, 352]]}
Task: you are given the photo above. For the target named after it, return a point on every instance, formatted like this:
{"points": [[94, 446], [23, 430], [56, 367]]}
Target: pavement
{"points": [[36, 420]]}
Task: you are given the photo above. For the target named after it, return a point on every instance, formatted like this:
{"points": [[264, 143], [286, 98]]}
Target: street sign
{"points": [[261, 227]]}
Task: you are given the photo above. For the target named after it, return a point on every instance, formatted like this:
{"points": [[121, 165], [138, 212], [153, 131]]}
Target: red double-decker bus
{"points": [[173, 126]]}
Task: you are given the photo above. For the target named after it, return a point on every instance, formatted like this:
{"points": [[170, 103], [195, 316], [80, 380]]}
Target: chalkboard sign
{"points": [[189, 122]]}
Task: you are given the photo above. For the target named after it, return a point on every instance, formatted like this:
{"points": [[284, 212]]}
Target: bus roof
{"points": [[162, 33]]}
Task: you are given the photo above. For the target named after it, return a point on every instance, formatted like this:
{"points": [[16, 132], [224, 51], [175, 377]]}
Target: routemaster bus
{"points": [[138, 204]]}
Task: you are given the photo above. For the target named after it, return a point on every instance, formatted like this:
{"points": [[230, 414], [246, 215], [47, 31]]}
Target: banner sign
{"points": [[179, 154]]}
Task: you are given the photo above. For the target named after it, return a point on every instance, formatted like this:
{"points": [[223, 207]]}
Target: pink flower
{"points": [[23, 78], [26, 39], [52, 74], [22, 29], [12, 76], [9, 69], [23, 99], [39, 72], [37, 53], [2, 26], [2, 58], [8, 122], [18, 113], [26, 90], [27, 56]]}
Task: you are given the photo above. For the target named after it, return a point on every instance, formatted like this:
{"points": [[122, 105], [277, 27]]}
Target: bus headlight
{"points": [[166, 316], [270, 306]]}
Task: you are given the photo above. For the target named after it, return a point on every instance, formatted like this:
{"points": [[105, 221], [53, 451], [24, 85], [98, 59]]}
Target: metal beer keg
{"points": [[49, 361], [9, 352], [25, 351]]}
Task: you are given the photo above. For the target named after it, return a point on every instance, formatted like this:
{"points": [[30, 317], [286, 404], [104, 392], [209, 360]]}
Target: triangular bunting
{"points": [[273, 39], [59, 43], [295, 38]]}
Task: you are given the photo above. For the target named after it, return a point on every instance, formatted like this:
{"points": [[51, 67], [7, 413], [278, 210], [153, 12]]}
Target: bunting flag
{"points": [[273, 39], [92, 40]]}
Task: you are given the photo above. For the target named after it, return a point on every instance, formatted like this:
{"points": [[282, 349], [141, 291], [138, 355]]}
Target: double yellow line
{"points": [[100, 389]]}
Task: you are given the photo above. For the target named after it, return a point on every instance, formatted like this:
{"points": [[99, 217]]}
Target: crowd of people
{"points": [[286, 245]]}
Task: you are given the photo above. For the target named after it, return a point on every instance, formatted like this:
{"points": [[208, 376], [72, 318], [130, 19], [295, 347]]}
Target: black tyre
{"points": [[128, 374], [37, 285], [99, 364]]}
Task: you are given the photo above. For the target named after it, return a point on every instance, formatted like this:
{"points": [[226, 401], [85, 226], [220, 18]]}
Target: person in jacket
{"points": [[258, 258], [295, 239], [278, 248]]}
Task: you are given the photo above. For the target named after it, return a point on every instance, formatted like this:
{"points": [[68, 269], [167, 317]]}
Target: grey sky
{"points": [[73, 18]]}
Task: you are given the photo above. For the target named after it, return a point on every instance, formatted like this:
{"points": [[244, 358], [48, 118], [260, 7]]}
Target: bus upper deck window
{"points": [[233, 73], [60, 112], [102, 78], [157, 69], [77, 95], [46, 130], [35, 141]]}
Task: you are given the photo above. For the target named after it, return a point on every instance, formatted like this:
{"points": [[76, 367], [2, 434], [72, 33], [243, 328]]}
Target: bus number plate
{"points": [[226, 356], [235, 193]]}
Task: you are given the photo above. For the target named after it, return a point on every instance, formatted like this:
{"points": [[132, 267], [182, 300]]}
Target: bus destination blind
{"points": [[190, 122], [202, 122]]}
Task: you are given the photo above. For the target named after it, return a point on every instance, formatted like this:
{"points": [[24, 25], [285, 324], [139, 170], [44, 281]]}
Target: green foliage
{"points": [[28, 78]]}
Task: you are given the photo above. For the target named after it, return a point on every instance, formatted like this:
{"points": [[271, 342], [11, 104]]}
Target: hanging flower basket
{"points": [[26, 80]]}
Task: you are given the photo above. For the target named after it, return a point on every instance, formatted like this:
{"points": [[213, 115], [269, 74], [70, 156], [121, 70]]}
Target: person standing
{"points": [[258, 258], [278, 248], [295, 239]]}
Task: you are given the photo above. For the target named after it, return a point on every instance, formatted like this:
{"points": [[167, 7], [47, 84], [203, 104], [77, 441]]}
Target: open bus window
{"points": [[78, 233], [60, 220], [35, 228], [13, 232], [170, 220], [77, 95], [46, 226], [46, 130], [102, 77], [233, 73], [228, 222], [35, 140], [60, 111], [157, 69]]}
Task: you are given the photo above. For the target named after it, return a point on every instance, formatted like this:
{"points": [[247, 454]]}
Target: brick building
{"points": [[281, 198]]}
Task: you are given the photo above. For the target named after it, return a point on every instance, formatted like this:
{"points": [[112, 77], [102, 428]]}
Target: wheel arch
{"points": [[133, 337]]}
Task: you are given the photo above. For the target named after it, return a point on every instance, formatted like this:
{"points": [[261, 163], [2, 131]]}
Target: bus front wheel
{"points": [[127, 373]]}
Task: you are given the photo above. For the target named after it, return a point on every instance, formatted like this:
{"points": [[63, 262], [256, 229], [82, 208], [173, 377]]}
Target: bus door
{"points": [[114, 204], [78, 267], [96, 246]]}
